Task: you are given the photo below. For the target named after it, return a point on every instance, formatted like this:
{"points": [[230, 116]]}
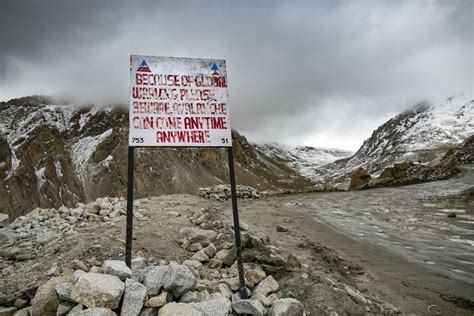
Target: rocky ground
{"points": [[57, 262], [183, 260]]}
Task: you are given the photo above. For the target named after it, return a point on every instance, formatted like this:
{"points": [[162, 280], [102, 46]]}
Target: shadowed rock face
{"points": [[54, 153], [360, 180]]}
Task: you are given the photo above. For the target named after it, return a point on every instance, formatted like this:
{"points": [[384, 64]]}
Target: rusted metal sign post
{"points": [[179, 102]]}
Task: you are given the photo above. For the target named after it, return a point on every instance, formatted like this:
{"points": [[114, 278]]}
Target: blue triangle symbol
{"points": [[214, 67]]}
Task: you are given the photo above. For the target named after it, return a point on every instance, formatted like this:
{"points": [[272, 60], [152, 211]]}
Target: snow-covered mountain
{"points": [[423, 134], [304, 159], [54, 153]]}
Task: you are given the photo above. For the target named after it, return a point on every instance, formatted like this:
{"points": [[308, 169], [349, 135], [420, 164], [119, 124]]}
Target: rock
{"points": [[7, 311], [105, 212], [138, 263], [7, 237], [179, 280], [196, 235], [46, 300], [23, 312], [114, 214], [252, 307], [215, 264], [64, 308], [200, 256], [78, 274], [277, 261], [292, 263], [153, 278], [20, 303], [193, 264], [76, 212], [225, 290], [3, 220], [106, 206], [210, 250], [190, 297], [255, 276], [72, 220], [287, 307], [63, 290], [147, 311], [267, 286], [8, 270], [179, 309], [265, 300], [214, 307], [233, 283], [222, 192], [78, 265], [360, 180], [227, 256], [98, 290], [133, 298], [158, 301], [452, 215], [96, 311], [195, 247], [93, 208], [76, 309], [356, 296], [117, 268], [46, 237], [244, 226], [281, 229]]}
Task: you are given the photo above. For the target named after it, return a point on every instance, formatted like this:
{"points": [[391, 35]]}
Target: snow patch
{"points": [[82, 151], [40, 176], [57, 165]]}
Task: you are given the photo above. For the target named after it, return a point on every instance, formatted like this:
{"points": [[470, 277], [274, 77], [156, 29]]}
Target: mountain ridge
{"points": [[55, 154]]}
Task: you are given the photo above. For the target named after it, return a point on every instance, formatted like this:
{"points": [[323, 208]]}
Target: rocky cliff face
{"points": [[54, 153], [423, 135]]}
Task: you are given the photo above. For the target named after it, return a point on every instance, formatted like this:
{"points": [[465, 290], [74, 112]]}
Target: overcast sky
{"points": [[321, 73]]}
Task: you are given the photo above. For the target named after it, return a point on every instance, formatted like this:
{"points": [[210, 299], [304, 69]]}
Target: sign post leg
{"points": [[129, 232], [235, 212]]}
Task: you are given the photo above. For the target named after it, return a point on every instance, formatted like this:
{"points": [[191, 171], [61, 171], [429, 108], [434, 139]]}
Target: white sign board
{"points": [[178, 102]]}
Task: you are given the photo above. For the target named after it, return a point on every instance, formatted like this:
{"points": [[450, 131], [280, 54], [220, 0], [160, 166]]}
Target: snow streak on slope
{"points": [[444, 124], [304, 159]]}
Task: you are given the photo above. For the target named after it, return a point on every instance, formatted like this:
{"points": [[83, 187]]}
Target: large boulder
{"points": [[227, 256], [196, 235], [267, 286], [63, 290], [7, 237], [96, 311], [287, 307], [179, 309], [214, 307], [133, 299], [117, 268], [251, 307], [46, 300], [179, 279], [98, 290], [360, 180], [153, 278]]}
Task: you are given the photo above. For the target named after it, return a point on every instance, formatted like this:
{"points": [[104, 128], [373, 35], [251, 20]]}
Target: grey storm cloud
{"points": [[324, 73]]}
